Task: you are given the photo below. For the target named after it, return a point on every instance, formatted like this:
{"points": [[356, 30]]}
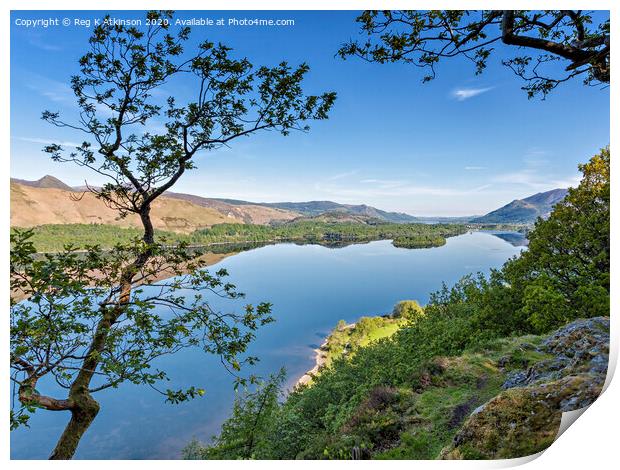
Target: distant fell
{"points": [[48, 181], [337, 216], [526, 210], [231, 210], [32, 206], [249, 213], [313, 208]]}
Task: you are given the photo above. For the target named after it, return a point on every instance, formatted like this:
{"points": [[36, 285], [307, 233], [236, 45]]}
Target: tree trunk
{"points": [[83, 413], [84, 407]]}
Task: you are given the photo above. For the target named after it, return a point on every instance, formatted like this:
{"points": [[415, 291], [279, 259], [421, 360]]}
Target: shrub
{"points": [[409, 309]]}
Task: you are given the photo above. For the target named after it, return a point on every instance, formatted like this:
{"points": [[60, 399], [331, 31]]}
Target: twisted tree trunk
{"points": [[84, 408], [83, 413]]}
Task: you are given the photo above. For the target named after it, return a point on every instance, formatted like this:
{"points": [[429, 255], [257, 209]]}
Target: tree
{"points": [[423, 38], [409, 309], [97, 319], [243, 435], [564, 273]]}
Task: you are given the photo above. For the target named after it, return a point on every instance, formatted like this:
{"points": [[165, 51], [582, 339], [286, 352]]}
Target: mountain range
{"points": [[51, 201], [315, 208], [46, 201]]}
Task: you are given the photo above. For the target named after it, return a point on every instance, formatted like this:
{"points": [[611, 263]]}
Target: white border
{"points": [[591, 443]]}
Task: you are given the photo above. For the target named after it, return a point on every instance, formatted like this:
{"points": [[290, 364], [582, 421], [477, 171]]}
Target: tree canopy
{"points": [[93, 320], [543, 38], [564, 273]]}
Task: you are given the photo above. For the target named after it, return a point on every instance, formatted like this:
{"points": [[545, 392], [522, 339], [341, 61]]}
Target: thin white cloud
{"points": [[42, 41], [535, 180], [463, 94], [44, 45], [384, 184], [343, 175], [53, 90], [475, 168], [402, 190], [60, 93], [534, 175], [37, 140], [535, 152]]}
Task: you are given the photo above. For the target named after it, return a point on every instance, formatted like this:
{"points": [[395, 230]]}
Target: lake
{"points": [[311, 288]]}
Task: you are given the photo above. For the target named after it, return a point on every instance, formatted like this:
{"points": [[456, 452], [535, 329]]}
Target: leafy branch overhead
{"points": [[69, 291], [123, 72], [545, 40], [93, 320]]}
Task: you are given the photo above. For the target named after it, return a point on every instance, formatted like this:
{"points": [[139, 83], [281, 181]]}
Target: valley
{"points": [[51, 201]]}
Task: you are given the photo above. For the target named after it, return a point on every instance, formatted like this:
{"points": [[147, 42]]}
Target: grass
{"points": [[384, 331], [345, 339], [454, 387]]}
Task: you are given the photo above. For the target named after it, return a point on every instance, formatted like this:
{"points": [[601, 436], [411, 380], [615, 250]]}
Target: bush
{"points": [[409, 309]]}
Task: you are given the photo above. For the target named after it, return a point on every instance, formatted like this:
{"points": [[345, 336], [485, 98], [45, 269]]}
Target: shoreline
{"points": [[209, 259], [320, 358]]}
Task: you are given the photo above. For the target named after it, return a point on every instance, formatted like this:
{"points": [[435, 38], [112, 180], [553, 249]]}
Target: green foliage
{"points": [[404, 396], [565, 270], [409, 309], [52, 238], [243, 435], [339, 416], [69, 293], [345, 339], [419, 242], [326, 232]]}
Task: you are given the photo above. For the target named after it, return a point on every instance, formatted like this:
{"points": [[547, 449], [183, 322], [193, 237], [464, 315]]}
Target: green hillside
{"points": [[50, 238], [484, 371]]}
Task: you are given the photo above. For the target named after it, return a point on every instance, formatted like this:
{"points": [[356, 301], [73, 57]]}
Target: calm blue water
{"points": [[311, 287]]}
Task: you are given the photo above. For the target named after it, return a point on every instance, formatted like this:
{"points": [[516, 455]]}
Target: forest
{"points": [[54, 238]]}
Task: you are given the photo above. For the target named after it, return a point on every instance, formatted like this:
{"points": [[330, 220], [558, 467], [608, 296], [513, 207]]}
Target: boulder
{"points": [[524, 418]]}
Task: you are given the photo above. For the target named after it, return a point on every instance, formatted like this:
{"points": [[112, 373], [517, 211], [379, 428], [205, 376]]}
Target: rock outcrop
{"points": [[524, 418]]}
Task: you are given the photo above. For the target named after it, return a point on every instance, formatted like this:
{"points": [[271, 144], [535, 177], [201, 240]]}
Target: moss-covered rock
{"points": [[521, 421], [581, 346], [525, 418]]}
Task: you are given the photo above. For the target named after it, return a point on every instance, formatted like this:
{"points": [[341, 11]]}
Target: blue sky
{"points": [[460, 145]]}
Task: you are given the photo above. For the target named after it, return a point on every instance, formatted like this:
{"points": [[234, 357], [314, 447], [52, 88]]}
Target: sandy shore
{"points": [[320, 357]]}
